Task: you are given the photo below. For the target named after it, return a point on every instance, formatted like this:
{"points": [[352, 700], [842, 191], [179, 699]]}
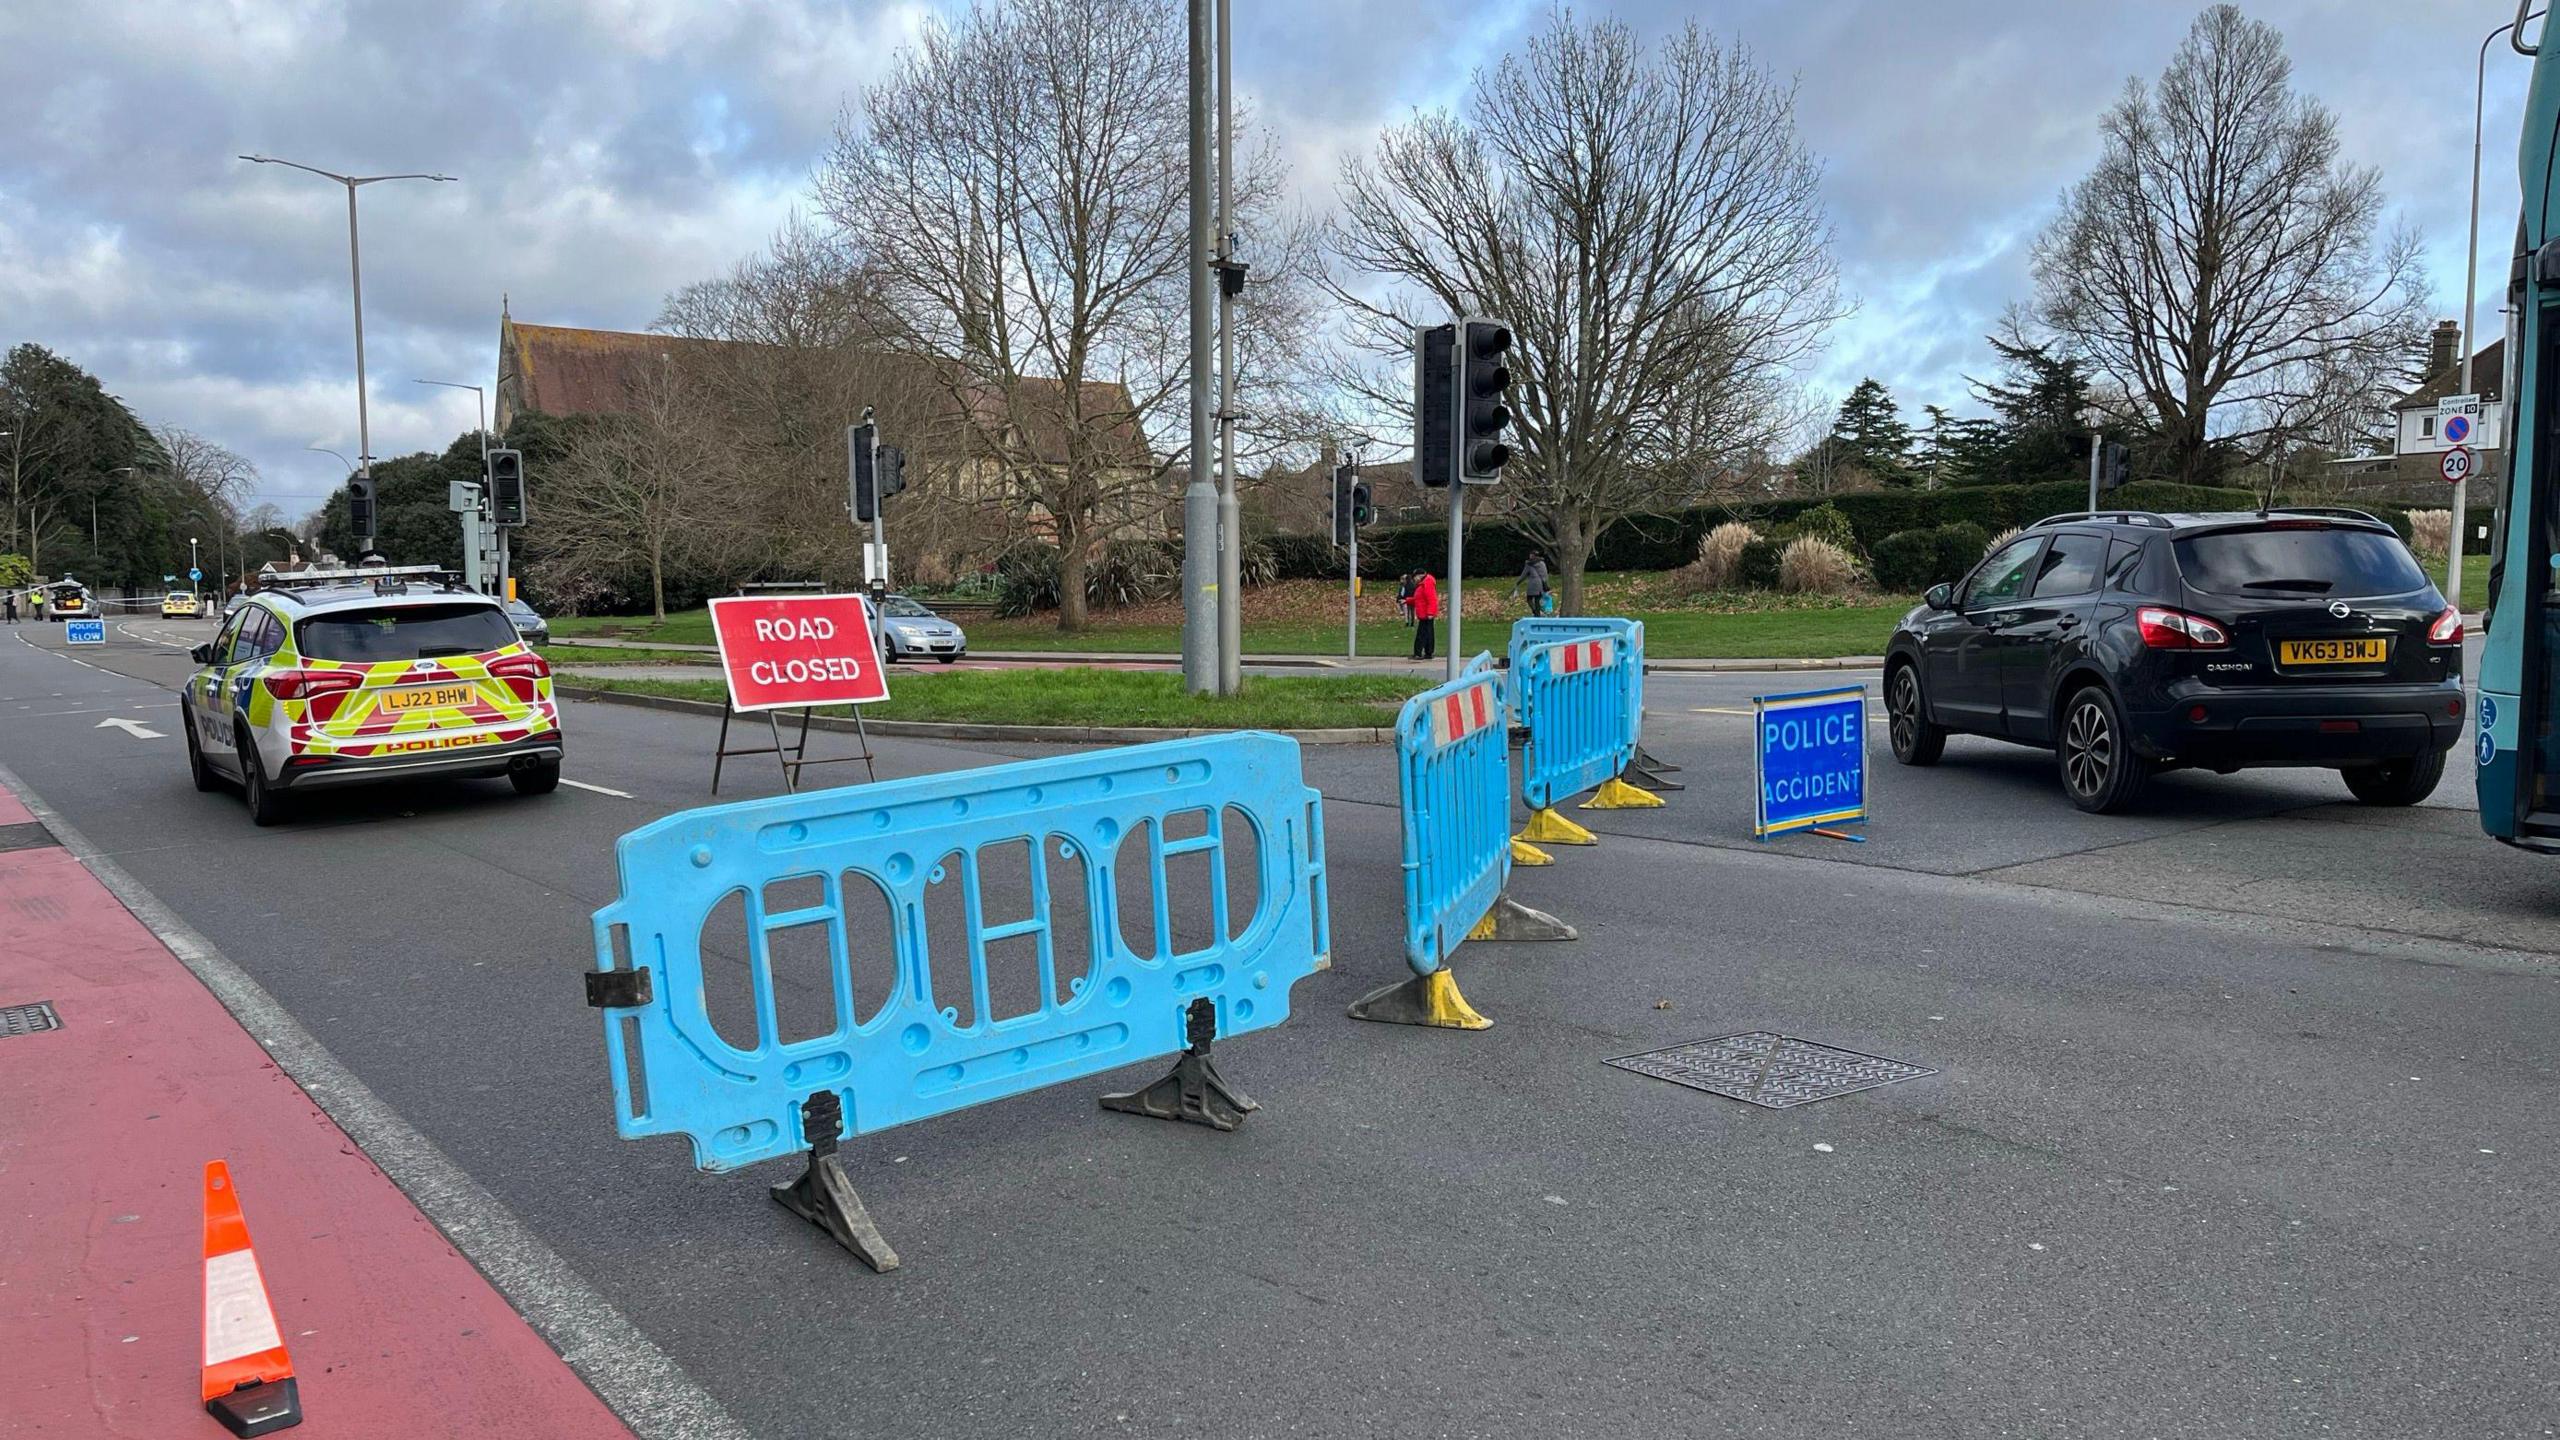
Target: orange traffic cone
{"points": [[248, 1380]]}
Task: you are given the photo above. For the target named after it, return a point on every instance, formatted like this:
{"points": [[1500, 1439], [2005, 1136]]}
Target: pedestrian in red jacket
{"points": [[1426, 617]]}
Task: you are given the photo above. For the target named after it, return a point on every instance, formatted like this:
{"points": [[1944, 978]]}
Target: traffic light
{"points": [[506, 487], [1435, 417], [889, 466], [1482, 415], [360, 510], [1362, 512], [2115, 466], [1345, 479], [862, 443]]}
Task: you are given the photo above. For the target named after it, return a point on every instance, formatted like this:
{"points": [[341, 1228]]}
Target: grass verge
{"points": [[559, 654], [1077, 696]]}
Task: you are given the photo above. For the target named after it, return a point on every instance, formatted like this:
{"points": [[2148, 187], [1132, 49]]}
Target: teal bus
{"points": [[2517, 746]]}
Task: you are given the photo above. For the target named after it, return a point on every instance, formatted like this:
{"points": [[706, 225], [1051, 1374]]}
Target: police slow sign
{"points": [[1811, 759], [785, 651]]}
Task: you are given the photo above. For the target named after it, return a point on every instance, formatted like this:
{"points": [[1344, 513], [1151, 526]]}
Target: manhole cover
{"points": [[24, 837], [28, 1019], [1769, 1069]]}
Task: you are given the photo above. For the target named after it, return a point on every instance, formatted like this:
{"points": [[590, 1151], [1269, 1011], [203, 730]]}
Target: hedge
{"points": [[1667, 542]]}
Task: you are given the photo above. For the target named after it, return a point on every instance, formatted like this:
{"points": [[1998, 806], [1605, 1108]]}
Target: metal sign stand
{"points": [[793, 757]]}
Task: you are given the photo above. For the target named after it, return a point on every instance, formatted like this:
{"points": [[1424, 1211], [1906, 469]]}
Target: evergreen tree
{"points": [[1870, 432], [2041, 400]]}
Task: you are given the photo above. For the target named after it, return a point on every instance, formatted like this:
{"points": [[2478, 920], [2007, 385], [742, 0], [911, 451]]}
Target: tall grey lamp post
{"points": [[355, 278], [2470, 290]]}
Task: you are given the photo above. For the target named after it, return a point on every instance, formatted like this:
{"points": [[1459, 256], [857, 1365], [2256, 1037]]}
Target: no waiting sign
{"points": [[2456, 465], [784, 651]]}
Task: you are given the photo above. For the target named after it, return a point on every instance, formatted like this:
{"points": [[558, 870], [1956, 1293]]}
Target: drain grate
{"points": [[28, 1019], [1769, 1069], [25, 837]]}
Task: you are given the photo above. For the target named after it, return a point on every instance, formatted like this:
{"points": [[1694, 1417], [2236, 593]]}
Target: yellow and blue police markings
{"points": [[1809, 760]]}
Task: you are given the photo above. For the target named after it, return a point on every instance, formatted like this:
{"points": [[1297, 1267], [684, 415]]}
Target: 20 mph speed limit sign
{"points": [[2457, 465]]}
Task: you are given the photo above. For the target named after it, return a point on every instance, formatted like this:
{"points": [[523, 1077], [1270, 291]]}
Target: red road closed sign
{"points": [[785, 651]]}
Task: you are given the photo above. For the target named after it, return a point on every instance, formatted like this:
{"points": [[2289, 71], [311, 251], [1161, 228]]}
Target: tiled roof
{"points": [[563, 370], [2488, 374]]}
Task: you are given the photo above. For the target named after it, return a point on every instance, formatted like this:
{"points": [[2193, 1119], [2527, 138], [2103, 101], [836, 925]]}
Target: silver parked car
{"points": [[909, 631], [535, 629]]}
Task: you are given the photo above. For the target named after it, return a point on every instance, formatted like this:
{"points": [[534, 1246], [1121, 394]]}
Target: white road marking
{"points": [[134, 728], [597, 789]]}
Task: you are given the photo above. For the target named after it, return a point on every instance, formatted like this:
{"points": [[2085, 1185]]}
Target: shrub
{"points": [[1756, 568], [1719, 562], [1996, 541], [1122, 572], [1826, 522], [1907, 560], [1961, 546], [1811, 565], [2431, 532]]}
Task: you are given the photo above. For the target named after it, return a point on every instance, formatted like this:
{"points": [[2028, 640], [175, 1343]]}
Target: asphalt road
{"points": [[2244, 1121]]}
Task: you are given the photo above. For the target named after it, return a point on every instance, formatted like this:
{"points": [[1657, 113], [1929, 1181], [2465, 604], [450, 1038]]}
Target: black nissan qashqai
{"points": [[2130, 643]]}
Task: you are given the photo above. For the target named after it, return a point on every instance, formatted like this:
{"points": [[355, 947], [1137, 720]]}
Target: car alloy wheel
{"points": [[1902, 710], [2088, 748]]}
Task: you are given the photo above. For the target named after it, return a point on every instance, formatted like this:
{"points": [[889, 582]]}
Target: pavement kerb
{"points": [[942, 730]]}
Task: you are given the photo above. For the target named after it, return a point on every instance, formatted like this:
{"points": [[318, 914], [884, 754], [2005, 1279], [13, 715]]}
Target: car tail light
{"points": [[523, 673], [2447, 629], [310, 684], [2166, 629]]}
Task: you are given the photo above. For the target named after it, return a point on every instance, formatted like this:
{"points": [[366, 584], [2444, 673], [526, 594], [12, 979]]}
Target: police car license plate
{"points": [[2371, 651], [429, 697]]}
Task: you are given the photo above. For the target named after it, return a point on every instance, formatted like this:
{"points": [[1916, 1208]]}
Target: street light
{"points": [[2470, 288], [355, 275]]}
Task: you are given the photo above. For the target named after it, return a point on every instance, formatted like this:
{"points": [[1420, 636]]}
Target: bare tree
{"points": [[1651, 227], [1018, 184], [650, 487], [2221, 264]]}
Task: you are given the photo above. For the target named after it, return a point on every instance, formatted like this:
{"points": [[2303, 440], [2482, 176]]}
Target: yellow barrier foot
{"points": [[1431, 1000], [1194, 1092], [824, 1194], [1549, 828], [1616, 794], [1511, 920], [1524, 853]]}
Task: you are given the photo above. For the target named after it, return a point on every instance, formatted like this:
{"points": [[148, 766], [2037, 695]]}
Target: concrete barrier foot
{"points": [[1524, 853], [1511, 920], [1547, 827], [1193, 1091], [824, 1196], [1615, 794]]}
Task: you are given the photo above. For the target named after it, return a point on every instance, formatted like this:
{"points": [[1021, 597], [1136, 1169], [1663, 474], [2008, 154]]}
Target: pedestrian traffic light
{"points": [[862, 444], [1482, 415], [2115, 466], [1435, 416], [506, 487], [1344, 479], [1362, 512], [360, 510]]}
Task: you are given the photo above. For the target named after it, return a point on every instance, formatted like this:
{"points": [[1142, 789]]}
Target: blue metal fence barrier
{"points": [[1642, 768], [906, 1053]]}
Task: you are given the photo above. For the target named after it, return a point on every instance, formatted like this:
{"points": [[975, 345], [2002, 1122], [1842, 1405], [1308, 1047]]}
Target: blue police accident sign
{"points": [[1810, 759], [85, 632]]}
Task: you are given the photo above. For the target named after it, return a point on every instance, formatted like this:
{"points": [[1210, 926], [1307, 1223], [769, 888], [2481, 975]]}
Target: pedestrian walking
{"points": [[13, 607], [1404, 597], [1531, 587], [1426, 617]]}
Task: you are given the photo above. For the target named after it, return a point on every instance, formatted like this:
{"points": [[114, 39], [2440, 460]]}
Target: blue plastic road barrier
{"points": [[1094, 831], [1574, 693], [84, 632], [1809, 759], [1453, 766], [1546, 630]]}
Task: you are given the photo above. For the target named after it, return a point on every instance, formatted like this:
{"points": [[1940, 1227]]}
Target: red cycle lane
{"points": [[105, 1127]]}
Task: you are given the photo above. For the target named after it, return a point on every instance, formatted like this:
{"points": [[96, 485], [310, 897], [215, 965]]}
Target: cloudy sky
{"points": [[611, 150]]}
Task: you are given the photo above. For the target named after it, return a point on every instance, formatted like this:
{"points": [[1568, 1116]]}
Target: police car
{"points": [[344, 677], [178, 605]]}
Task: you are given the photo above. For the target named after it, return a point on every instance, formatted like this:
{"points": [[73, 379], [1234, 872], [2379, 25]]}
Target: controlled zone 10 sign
{"points": [[1809, 762], [782, 652]]}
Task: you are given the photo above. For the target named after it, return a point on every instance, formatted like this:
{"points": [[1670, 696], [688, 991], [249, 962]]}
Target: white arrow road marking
{"points": [[134, 728], [598, 789]]}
